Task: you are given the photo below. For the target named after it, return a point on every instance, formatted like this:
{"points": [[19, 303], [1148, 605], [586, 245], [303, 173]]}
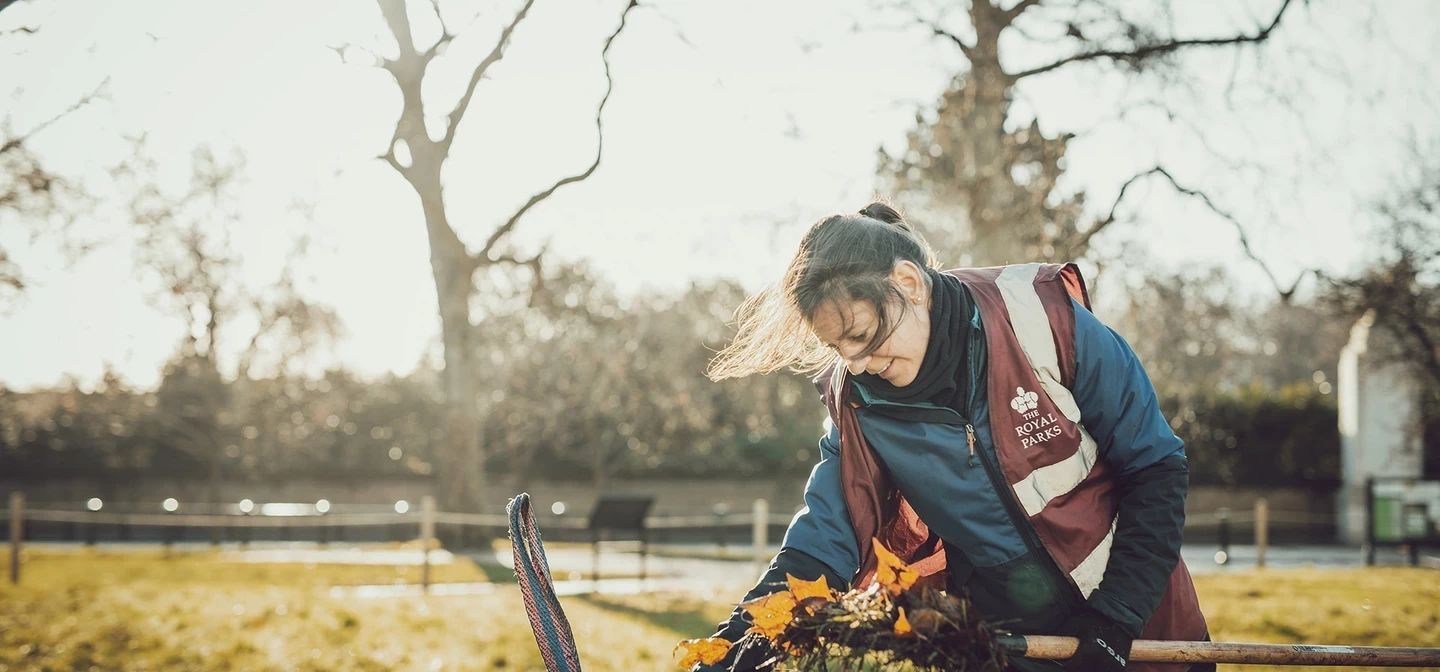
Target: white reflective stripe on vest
{"points": [[1091, 570], [1048, 482], [1032, 328]]}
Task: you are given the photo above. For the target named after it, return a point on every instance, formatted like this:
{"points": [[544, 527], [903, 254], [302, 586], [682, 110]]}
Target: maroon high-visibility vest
{"points": [[1047, 458]]}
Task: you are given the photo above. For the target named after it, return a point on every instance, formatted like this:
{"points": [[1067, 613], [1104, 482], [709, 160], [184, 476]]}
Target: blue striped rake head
{"points": [[532, 571]]}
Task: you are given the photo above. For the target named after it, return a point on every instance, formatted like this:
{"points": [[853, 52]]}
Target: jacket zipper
{"points": [[1012, 506], [1007, 496], [970, 439]]}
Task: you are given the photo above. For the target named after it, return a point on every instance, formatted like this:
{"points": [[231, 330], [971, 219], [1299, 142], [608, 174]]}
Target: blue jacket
{"points": [[993, 554]]}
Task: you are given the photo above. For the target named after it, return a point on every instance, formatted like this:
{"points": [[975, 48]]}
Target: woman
{"points": [[986, 427]]}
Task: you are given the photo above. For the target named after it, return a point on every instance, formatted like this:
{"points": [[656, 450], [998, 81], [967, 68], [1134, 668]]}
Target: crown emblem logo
{"points": [[1024, 401]]}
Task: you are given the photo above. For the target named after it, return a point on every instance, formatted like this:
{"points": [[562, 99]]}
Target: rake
{"points": [[557, 643], [1160, 651]]}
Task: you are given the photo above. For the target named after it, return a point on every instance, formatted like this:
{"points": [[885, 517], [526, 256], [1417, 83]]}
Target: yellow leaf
{"points": [[706, 651], [890, 573], [801, 589], [902, 625], [770, 614]]}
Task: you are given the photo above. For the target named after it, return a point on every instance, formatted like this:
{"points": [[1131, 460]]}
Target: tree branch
{"points": [[389, 157], [399, 22], [1285, 294], [13, 143], [445, 34], [1019, 8], [1084, 241], [446, 37], [599, 145], [941, 32], [340, 49], [494, 56], [10, 275], [1152, 50], [1430, 357]]}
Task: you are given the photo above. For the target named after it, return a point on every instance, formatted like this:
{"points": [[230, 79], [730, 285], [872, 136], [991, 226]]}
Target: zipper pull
{"points": [[970, 438]]}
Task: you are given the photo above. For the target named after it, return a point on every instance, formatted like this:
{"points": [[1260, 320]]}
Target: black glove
{"points": [[1104, 645]]}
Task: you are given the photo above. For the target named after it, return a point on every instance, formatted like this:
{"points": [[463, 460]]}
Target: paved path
{"points": [[562, 588]]}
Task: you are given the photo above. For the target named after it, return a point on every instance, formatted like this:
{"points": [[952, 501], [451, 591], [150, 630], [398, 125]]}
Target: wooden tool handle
{"points": [[1156, 651]]}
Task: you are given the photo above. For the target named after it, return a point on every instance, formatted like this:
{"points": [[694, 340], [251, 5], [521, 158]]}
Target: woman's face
{"points": [[849, 329]]}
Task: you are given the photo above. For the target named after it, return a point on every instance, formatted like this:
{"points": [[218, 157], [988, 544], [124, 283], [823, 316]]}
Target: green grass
{"points": [[140, 611]]}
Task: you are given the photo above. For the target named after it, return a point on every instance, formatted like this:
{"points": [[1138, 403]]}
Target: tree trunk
{"points": [[987, 95], [462, 458]]}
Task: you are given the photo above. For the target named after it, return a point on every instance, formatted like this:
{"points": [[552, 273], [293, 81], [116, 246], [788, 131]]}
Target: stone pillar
{"points": [[1380, 421]]}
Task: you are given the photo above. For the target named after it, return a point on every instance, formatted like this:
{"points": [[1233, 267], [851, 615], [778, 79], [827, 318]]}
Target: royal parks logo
{"points": [[1033, 428]]}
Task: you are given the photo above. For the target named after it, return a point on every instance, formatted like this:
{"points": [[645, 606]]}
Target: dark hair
{"points": [[841, 259]]}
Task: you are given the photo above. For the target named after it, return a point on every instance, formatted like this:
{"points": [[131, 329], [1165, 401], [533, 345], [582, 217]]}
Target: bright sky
{"points": [[732, 126]]}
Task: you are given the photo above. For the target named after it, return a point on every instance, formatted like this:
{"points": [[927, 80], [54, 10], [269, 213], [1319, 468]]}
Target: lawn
{"points": [[140, 611], [91, 610], [1390, 606]]}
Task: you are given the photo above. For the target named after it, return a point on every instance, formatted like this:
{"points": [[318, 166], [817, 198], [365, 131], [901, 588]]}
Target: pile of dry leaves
{"points": [[811, 627]]}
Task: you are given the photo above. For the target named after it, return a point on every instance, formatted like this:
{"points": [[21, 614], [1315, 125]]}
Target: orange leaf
{"points": [[801, 589], [902, 625], [770, 614], [892, 574], [706, 651]]}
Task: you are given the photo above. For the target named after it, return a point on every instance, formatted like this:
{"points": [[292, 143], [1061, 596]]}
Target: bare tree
{"points": [[1402, 285], [29, 191], [457, 266], [183, 244], [965, 160]]}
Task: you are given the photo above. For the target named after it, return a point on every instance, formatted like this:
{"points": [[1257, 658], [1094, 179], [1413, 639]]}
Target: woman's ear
{"points": [[911, 281]]}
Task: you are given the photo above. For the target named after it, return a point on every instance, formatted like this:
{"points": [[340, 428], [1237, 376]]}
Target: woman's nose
{"points": [[857, 365]]}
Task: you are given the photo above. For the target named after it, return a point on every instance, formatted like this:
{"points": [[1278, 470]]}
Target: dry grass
{"points": [[1390, 606], [133, 611]]}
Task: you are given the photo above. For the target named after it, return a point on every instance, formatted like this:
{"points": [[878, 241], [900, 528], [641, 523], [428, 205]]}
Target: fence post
{"points": [[90, 529], [594, 558], [720, 509], [760, 530], [645, 550], [168, 540], [427, 532], [17, 527], [1262, 530], [1370, 521], [1223, 556]]}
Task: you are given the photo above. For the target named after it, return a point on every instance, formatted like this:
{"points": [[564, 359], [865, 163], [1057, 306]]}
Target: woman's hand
{"points": [[1104, 645]]}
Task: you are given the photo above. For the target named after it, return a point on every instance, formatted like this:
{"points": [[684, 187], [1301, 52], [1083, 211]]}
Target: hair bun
{"points": [[883, 212]]}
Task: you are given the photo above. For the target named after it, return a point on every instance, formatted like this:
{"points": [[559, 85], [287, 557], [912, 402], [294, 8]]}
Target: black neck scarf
{"points": [[942, 379]]}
